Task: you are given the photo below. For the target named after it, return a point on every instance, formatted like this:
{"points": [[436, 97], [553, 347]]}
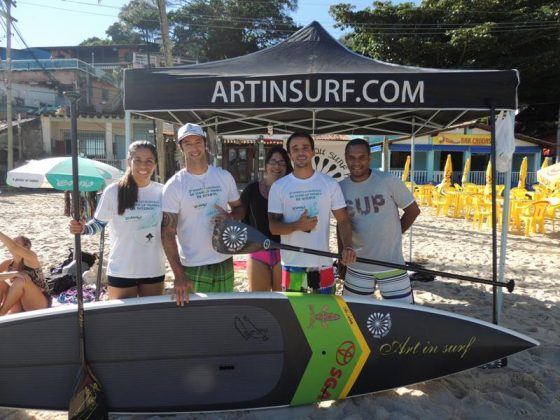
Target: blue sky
{"points": [[69, 22]]}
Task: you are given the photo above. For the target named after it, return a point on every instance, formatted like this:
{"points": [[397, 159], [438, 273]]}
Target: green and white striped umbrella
{"points": [[57, 173]]}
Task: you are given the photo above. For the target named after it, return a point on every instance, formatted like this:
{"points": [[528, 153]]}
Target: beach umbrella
{"points": [[488, 186], [447, 172], [545, 163], [406, 169], [466, 170], [57, 173], [550, 176], [522, 173]]}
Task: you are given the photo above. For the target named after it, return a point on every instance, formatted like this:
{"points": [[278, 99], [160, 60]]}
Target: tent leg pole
{"points": [[495, 309], [412, 152], [503, 244], [313, 123]]}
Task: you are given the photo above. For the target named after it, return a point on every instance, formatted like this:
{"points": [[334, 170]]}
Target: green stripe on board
{"points": [[339, 349]]}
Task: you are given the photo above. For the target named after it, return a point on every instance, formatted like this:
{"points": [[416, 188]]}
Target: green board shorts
{"points": [[211, 278]]}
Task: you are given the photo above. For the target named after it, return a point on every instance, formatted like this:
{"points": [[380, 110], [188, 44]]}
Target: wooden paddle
{"points": [[88, 400], [233, 237]]}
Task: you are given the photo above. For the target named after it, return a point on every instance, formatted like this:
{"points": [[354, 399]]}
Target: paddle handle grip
{"points": [[510, 285]]}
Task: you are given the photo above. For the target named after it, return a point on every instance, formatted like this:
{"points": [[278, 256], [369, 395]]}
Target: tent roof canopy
{"points": [[311, 82]]}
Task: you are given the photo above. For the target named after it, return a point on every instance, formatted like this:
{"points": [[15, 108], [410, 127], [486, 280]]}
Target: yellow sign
{"points": [[462, 139]]}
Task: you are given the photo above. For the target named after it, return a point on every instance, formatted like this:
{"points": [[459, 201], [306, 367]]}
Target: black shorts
{"points": [[123, 282]]}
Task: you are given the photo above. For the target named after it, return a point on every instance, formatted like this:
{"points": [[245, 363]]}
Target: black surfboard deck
{"points": [[237, 351]]}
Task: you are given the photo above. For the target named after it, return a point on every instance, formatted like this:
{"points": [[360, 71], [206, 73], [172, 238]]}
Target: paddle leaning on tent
{"points": [[233, 237]]}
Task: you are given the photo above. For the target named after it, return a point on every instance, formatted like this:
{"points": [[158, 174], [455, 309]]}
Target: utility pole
{"points": [[9, 85], [165, 33], [160, 141]]}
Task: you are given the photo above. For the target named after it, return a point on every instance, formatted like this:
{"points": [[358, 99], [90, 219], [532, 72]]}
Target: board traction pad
{"points": [[339, 350]]}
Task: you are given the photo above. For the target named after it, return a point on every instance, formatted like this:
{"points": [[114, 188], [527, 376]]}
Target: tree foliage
{"points": [[121, 34], [218, 29], [141, 17], [468, 34], [95, 40]]}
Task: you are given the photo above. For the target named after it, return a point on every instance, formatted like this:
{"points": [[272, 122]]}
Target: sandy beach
{"points": [[529, 387]]}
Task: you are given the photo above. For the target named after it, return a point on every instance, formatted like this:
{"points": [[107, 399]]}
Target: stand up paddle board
{"points": [[239, 351]]}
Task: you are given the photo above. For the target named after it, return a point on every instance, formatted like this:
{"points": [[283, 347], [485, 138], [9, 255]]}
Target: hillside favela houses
{"points": [[40, 111]]}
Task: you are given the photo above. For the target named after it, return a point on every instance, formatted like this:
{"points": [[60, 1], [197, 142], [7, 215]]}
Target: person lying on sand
{"points": [[22, 283]]}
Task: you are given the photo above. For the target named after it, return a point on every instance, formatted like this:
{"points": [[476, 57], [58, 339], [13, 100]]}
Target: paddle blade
{"points": [[88, 401], [233, 237]]}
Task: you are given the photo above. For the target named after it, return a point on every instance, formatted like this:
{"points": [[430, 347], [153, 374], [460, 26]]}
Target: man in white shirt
{"points": [[193, 199], [299, 208]]}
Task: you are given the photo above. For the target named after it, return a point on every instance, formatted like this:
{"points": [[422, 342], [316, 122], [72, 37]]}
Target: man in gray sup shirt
{"points": [[373, 200]]}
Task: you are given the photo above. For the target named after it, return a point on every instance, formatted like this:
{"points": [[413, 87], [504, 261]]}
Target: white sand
{"points": [[528, 388]]}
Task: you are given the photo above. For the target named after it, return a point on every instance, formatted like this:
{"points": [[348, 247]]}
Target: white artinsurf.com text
{"points": [[330, 91]]}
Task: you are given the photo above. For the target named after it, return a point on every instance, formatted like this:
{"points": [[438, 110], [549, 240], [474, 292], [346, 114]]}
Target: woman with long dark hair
{"points": [[263, 267], [132, 208]]}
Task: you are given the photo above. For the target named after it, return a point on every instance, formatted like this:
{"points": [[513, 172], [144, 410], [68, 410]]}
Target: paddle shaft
{"points": [[509, 285], [73, 97]]}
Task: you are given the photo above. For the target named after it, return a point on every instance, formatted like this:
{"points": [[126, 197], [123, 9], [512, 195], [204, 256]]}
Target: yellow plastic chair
{"points": [[482, 211], [518, 193], [488, 190], [552, 211], [468, 206], [533, 217], [425, 193], [441, 203], [457, 204], [540, 192], [516, 208]]}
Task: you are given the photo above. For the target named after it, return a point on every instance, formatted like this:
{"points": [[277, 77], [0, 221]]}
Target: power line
{"points": [[401, 29]]}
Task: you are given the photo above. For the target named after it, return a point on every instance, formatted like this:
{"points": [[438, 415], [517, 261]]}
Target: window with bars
{"points": [[91, 144]]}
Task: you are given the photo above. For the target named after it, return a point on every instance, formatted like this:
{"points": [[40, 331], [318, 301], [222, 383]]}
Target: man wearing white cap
{"points": [[192, 201]]}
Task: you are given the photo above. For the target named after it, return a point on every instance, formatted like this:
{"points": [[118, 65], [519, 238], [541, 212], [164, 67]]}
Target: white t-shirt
{"points": [[319, 194], [193, 197], [135, 236]]}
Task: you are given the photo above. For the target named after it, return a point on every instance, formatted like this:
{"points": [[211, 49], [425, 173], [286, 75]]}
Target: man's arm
{"points": [[237, 210], [278, 227], [344, 232], [182, 285], [411, 212]]}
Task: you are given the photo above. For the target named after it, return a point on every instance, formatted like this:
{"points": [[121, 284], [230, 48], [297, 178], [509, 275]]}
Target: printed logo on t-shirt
{"points": [[205, 192], [140, 207], [365, 205], [309, 200], [148, 229]]}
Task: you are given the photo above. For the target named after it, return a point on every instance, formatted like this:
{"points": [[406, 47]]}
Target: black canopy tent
{"points": [[311, 82]]}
